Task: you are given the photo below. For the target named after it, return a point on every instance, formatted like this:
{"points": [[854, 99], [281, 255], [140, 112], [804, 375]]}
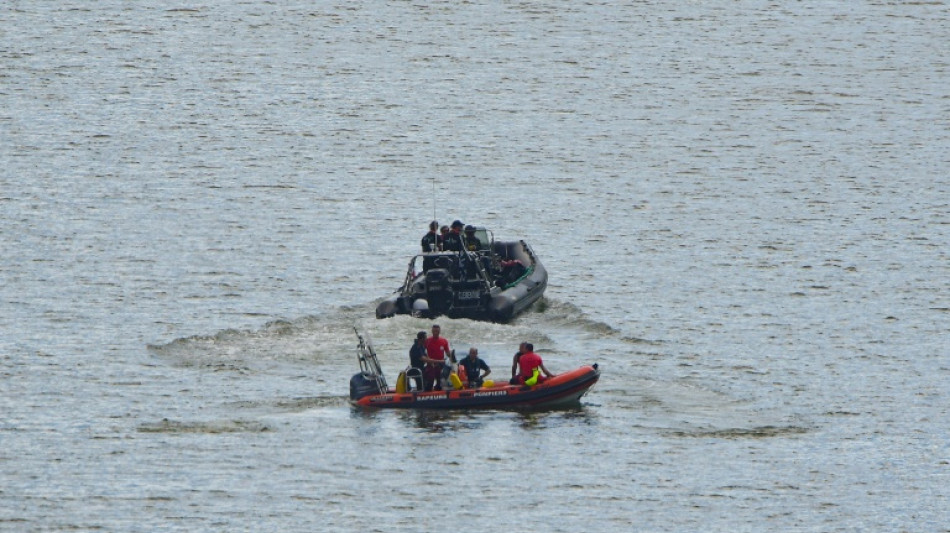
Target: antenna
{"points": [[433, 198]]}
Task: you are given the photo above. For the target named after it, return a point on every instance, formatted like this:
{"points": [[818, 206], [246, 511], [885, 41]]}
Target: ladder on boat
{"points": [[369, 363]]}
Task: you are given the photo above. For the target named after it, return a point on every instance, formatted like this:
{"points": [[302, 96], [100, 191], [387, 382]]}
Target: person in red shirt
{"points": [[437, 350], [528, 362]]}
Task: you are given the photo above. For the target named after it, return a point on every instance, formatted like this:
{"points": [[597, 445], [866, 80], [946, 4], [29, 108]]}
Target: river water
{"points": [[742, 205]]}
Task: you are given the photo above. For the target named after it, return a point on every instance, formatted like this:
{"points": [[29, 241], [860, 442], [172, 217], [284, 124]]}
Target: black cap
{"points": [[469, 228], [457, 224]]}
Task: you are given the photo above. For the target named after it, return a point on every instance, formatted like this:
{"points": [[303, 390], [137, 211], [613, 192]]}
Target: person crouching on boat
{"points": [[531, 368], [511, 271], [473, 366], [437, 350]]}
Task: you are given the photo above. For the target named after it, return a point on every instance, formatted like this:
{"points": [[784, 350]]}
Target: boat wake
{"points": [[556, 314], [305, 340], [326, 341]]}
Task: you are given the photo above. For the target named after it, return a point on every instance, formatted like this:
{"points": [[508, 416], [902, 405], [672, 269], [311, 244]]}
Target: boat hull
{"points": [[563, 390]]}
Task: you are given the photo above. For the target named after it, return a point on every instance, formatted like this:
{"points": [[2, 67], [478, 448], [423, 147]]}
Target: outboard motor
{"points": [[437, 279], [438, 291], [363, 384]]}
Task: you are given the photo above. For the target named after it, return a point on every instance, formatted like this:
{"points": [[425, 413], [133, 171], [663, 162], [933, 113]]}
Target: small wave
{"points": [[743, 433], [228, 426], [316, 402], [290, 404], [557, 312]]}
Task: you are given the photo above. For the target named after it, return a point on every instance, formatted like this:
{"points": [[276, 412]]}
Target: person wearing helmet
{"points": [[472, 243]]}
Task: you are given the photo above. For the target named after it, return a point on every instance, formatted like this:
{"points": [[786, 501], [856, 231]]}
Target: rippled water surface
{"points": [[743, 207]]}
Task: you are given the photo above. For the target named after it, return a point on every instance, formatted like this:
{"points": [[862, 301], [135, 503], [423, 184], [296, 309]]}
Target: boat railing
{"points": [[410, 274], [480, 268], [528, 271], [455, 266]]}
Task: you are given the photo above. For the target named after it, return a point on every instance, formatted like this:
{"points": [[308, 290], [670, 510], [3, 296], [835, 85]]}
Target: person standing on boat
{"points": [[531, 368], [453, 239], [416, 355], [437, 351], [473, 368], [432, 241]]}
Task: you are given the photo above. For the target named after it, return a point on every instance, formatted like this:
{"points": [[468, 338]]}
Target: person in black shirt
{"points": [[453, 240], [432, 241], [472, 243], [473, 368], [416, 353]]}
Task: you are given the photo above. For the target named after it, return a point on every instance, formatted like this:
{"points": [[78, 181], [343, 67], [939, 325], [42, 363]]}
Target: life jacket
{"points": [[533, 380], [401, 383]]}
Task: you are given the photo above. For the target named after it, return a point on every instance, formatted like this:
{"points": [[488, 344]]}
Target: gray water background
{"points": [[743, 206]]}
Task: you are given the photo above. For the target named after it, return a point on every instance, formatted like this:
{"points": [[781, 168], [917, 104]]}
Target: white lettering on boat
{"points": [[381, 399], [426, 398], [492, 393]]}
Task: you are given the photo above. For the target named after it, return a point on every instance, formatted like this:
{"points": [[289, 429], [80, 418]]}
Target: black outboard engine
{"points": [[363, 384], [437, 279], [438, 291]]}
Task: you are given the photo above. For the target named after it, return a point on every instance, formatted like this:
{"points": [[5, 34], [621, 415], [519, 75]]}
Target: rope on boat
{"points": [[527, 273]]}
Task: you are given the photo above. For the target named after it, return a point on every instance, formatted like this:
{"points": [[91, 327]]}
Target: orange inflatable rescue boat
{"points": [[369, 389]]}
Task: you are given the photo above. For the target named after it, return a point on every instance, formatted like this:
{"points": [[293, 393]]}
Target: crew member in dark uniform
{"points": [[453, 239], [432, 241], [415, 357], [472, 243]]}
